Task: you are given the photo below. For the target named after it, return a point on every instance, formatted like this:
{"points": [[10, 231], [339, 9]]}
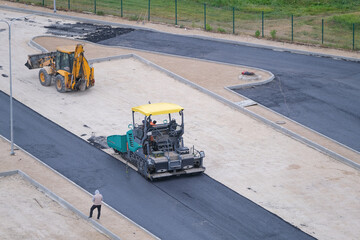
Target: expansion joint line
{"points": [[283, 94]]}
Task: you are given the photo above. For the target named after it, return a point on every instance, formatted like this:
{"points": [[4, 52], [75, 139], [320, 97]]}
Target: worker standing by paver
{"points": [[97, 200]]}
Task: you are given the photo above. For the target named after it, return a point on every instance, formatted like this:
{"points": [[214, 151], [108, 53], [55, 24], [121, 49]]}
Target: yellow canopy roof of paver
{"points": [[157, 108]]}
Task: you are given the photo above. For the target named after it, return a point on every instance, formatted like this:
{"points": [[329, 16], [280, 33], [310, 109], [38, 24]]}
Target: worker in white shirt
{"points": [[97, 200]]}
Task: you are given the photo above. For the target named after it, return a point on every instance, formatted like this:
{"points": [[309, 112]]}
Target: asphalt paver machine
{"points": [[157, 149]]}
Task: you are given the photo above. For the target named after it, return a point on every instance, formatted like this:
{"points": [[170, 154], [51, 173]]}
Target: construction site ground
{"points": [[34, 214], [305, 187]]}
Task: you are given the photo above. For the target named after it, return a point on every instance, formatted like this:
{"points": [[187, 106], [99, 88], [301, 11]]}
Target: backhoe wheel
{"points": [[60, 83], [44, 77]]}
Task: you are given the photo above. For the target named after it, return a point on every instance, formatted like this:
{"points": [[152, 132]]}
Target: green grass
{"points": [[286, 7], [338, 15], [346, 20]]}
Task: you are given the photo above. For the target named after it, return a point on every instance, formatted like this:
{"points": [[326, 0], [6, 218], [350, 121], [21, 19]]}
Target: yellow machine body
{"points": [[68, 67]]}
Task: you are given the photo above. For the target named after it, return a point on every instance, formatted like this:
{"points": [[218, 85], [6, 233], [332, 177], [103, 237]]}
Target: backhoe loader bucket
{"points": [[39, 60]]}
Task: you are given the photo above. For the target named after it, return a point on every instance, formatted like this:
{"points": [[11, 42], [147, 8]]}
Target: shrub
{"points": [[221, 30], [257, 34], [134, 18], [273, 34], [208, 27], [100, 13]]}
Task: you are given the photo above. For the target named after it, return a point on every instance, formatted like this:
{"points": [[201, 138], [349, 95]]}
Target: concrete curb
{"points": [[57, 15], [245, 85], [73, 183], [99, 60], [9, 173], [62, 202], [35, 45]]}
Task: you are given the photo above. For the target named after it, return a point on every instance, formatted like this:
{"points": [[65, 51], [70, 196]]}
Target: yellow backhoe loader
{"points": [[67, 67]]}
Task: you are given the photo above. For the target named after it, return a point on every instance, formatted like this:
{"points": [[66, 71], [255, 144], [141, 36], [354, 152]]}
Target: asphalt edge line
{"points": [[61, 201], [56, 172], [241, 43]]}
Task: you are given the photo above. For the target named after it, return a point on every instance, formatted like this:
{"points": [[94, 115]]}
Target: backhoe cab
{"points": [[67, 67], [156, 147]]}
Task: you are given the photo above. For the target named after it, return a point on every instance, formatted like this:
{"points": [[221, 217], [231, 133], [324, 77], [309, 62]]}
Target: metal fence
{"points": [[189, 14]]}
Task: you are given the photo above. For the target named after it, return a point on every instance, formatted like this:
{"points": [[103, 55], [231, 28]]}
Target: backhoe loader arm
{"points": [[78, 59], [81, 67]]}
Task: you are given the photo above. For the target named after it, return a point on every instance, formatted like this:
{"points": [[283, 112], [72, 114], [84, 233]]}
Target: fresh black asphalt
{"points": [[195, 207], [321, 93], [199, 207]]}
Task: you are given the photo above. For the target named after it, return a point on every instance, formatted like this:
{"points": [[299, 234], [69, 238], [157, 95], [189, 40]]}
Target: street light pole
{"points": [[11, 102], [11, 98]]}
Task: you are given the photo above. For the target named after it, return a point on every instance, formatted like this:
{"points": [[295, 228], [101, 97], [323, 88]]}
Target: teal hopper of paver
{"points": [[118, 143], [123, 143], [156, 148]]}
